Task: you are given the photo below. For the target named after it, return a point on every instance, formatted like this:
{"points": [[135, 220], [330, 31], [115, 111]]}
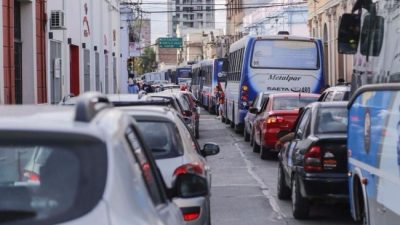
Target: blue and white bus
{"points": [[205, 78], [280, 63], [181, 74], [372, 34]]}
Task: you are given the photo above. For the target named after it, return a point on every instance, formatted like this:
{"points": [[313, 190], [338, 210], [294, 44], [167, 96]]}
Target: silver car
{"points": [[176, 152], [83, 165]]}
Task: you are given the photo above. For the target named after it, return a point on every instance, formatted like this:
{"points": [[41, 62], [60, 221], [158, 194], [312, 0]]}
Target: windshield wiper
{"points": [[13, 215]]}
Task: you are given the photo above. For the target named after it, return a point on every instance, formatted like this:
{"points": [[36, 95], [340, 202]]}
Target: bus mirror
{"points": [[349, 34]]}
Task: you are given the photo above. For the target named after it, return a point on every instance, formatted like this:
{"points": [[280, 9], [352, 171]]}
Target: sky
{"points": [[159, 25]]}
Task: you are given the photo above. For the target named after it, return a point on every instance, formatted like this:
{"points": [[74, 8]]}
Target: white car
{"points": [[176, 152], [89, 166]]}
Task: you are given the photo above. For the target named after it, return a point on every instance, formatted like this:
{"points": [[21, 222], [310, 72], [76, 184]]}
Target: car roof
{"points": [[338, 88], [123, 97], [339, 104], [159, 113], [293, 94]]}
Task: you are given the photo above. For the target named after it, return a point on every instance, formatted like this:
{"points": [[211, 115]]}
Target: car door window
{"points": [[329, 96], [256, 102], [148, 168], [301, 129], [264, 105], [339, 96]]}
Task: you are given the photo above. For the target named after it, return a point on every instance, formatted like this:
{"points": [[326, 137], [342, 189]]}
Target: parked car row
{"points": [[88, 162], [308, 133]]}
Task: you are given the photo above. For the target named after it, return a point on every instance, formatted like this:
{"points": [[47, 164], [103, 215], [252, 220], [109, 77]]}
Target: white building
{"points": [[83, 52], [196, 14], [198, 44], [270, 20]]}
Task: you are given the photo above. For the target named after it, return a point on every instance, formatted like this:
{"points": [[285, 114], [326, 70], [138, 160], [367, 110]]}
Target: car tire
{"points": [[246, 135], [196, 132], [264, 153], [256, 147], [283, 189], [300, 205]]}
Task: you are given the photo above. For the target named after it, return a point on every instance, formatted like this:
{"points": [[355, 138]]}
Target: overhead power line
{"points": [[230, 8]]}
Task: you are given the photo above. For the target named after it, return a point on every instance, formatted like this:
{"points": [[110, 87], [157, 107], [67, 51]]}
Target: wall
{"points": [[1, 53], [8, 50], [323, 22], [94, 27]]}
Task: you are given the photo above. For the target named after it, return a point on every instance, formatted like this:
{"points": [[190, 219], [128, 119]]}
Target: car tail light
{"points": [[275, 119], [32, 176], [196, 168], [312, 159], [191, 216], [190, 213]]}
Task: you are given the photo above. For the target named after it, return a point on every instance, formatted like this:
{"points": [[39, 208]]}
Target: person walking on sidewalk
{"points": [[221, 102]]}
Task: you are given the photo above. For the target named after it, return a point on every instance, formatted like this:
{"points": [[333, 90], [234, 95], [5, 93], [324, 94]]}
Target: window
{"points": [[302, 126], [331, 120], [42, 176], [208, 8], [329, 96], [162, 139], [285, 54], [339, 96], [290, 103], [147, 167]]}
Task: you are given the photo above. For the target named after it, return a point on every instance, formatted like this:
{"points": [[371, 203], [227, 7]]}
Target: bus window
{"points": [[283, 54]]}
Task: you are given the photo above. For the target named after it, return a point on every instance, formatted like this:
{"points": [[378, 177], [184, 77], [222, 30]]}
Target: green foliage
{"points": [[146, 62]]}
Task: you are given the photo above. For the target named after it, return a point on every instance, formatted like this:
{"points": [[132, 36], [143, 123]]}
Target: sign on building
{"points": [[170, 42], [134, 49]]}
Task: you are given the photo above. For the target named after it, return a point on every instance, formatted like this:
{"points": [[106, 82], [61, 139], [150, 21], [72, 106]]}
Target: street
{"points": [[244, 186]]}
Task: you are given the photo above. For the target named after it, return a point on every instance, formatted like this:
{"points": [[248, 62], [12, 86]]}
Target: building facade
{"points": [[23, 52], [196, 14], [83, 52], [288, 15], [323, 22]]}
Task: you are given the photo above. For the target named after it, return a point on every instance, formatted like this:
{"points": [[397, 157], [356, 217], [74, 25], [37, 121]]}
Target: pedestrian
{"points": [[132, 86], [221, 102]]}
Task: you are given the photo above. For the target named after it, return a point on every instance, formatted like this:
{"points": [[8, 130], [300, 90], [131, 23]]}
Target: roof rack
{"points": [[89, 104]]}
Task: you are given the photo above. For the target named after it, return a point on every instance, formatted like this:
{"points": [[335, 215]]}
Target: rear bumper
{"points": [[191, 203], [270, 138], [332, 187]]}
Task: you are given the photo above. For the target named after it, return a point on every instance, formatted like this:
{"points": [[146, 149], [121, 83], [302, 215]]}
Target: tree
{"points": [[146, 62]]}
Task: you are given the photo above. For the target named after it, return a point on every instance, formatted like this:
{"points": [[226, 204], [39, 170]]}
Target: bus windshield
{"points": [[283, 54]]}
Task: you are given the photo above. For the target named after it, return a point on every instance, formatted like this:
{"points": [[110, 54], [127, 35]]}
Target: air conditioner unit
{"points": [[57, 20]]}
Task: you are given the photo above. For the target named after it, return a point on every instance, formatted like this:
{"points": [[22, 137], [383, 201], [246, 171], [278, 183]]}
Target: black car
{"points": [[313, 165]]}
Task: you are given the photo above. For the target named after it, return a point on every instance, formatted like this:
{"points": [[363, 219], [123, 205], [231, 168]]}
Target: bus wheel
{"points": [[360, 204]]}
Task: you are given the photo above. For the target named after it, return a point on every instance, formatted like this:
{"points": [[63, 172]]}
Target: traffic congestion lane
{"points": [[244, 186]]}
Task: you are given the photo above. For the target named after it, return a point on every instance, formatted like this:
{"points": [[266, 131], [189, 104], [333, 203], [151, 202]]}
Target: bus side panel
{"points": [[373, 139], [251, 92]]}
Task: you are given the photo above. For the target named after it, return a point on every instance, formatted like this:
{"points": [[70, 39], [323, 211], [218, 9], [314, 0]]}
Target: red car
{"points": [[276, 117]]}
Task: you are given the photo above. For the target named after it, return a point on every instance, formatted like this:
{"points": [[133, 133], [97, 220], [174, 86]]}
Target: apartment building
{"points": [[196, 14]]}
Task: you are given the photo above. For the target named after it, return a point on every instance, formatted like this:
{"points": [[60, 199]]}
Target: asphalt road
{"points": [[244, 186]]}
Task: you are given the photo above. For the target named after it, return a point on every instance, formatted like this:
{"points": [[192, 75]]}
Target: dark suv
{"points": [[86, 164]]}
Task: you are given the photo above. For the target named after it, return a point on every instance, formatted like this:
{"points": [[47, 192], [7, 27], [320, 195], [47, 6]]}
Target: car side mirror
{"points": [[253, 110], [210, 149], [187, 120], [189, 185], [299, 134], [349, 33]]}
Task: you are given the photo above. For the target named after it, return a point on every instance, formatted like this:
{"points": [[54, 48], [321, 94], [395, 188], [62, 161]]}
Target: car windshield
{"points": [[163, 139], [290, 103], [331, 120], [42, 180]]}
